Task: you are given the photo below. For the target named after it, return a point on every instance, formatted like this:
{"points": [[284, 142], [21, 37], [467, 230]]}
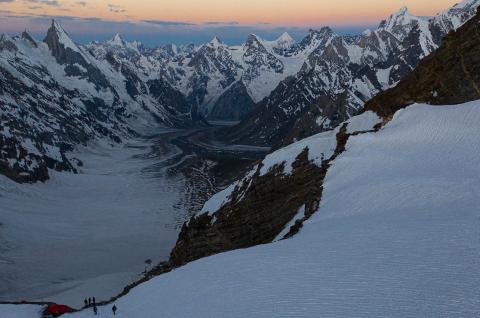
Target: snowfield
{"points": [[72, 236], [396, 235], [14, 311]]}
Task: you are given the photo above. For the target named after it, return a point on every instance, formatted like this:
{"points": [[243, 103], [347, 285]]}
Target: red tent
{"points": [[56, 310]]}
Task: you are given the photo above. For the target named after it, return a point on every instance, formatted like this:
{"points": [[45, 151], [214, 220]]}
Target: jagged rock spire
{"points": [[216, 41], [29, 38], [62, 46]]}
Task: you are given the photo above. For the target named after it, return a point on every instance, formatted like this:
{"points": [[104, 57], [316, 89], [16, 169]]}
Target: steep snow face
{"points": [[396, 235], [15, 311], [263, 67], [315, 39], [402, 24], [456, 16], [63, 38]]}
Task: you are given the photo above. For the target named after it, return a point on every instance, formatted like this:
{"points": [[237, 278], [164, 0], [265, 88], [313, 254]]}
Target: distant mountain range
{"points": [[344, 72], [55, 94]]}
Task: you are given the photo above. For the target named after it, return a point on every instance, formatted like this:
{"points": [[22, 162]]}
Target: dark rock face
{"points": [[25, 151], [450, 75], [21, 171], [176, 103], [258, 209], [255, 218], [234, 104]]}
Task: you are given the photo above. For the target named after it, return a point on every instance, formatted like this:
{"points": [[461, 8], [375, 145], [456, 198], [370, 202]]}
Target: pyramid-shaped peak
{"points": [[59, 43], [117, 40], [57, 35], [216, 41], [57, 27], [253, 39], [284, 41], [26, 36], [285, 38]]}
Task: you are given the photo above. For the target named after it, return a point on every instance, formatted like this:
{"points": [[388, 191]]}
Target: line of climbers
{"points": [[91, 302]]}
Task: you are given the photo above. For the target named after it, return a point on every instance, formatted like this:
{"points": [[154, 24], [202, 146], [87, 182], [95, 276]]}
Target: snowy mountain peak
{"points": [[216, 42], [56, 36], [285, 41], [58, 29], [316, 38], [253, 41], [253, 38], [403, 10], [6, 43], [399, 18], [117, 40], [402, 22], [26, 36], [323, 31], [285, 37]]}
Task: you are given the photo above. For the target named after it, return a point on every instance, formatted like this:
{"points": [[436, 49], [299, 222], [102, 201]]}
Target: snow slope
{"points": [[396, 235], [13, 311]]}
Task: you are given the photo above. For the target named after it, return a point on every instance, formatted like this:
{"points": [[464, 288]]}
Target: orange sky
{"points": [[277, 12]]}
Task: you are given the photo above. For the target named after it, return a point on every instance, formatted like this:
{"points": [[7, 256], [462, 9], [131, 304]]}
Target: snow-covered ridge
{"points": [[260, 64], [63, 37], [399, 208], [206, 77], [321, 147]]}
